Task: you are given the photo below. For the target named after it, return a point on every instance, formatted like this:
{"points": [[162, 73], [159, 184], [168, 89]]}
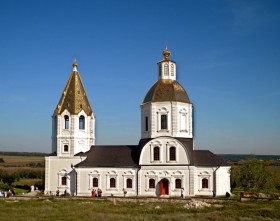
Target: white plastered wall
{"points": [[85, 181], [218, 180], [57, 167]]}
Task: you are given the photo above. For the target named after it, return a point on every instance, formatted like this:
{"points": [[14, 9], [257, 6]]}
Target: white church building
{"points": [[164, 163]]}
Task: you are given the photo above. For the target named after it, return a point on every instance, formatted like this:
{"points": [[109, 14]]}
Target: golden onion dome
{"points": [[166, 90]]}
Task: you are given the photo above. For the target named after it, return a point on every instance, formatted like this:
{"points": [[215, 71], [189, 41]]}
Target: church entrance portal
{"points": [[164, 187]]}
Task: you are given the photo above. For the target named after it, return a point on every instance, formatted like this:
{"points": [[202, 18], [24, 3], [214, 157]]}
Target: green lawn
{"points": [[87, 209]]}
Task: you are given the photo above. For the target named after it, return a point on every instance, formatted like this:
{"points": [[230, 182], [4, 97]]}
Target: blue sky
{"points": [[227, 54]]}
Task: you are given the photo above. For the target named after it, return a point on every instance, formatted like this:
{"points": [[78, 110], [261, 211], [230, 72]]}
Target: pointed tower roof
{"points": [[74, 97]]}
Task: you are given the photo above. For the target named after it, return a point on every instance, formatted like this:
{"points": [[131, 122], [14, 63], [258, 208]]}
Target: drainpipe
{"points": [[214, 181]]}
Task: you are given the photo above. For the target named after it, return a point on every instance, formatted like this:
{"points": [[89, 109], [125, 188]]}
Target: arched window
{"points": [[63, 181], [156, 153], [166, 69], [163, 121], [204, 183], [112, 183], [94, 182], [129, 183], [172, 69], [172, 153], [152, 183], [66, 149], [178, 184], [66, 122], [82, 122]]}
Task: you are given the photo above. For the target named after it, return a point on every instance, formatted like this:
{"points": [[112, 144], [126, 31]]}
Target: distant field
{"points": [[10, 159]]}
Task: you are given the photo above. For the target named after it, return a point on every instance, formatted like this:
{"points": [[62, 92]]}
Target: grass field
{"points": [[77, 209]]}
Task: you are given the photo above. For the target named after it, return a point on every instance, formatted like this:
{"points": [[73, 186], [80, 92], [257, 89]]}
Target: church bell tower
{"points": [[73, 121]]}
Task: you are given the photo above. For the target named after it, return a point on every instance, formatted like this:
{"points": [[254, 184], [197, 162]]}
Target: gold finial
{"points": [[166, 53], [75, 64]]}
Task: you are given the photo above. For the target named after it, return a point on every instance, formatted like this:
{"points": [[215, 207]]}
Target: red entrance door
{"points": [[164, 187]]}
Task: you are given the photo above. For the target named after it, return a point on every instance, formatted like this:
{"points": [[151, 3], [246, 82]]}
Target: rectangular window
{"points": [[151, 183], [112, 183], [63, 181], [156, 153], [163, 122], [129, 183], [178, 184], [204, 183], [66, 148], [94, 182], [172, 153]]}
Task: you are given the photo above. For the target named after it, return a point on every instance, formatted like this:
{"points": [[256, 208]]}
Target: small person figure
{"points": [[65, 192], [93, 193], [124, 192], [182, 193], [99, 192], [57, 193]]}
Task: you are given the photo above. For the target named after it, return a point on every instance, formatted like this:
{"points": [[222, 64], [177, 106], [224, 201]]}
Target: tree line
{"points": [[9, 178]]}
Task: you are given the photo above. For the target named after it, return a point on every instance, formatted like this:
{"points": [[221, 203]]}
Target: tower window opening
{"points": [[163, 122], [66, 122], [172, 69], [152, 183], [129, 183], [156, 153], [172, 153], [166, 69], [82, 122]]}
